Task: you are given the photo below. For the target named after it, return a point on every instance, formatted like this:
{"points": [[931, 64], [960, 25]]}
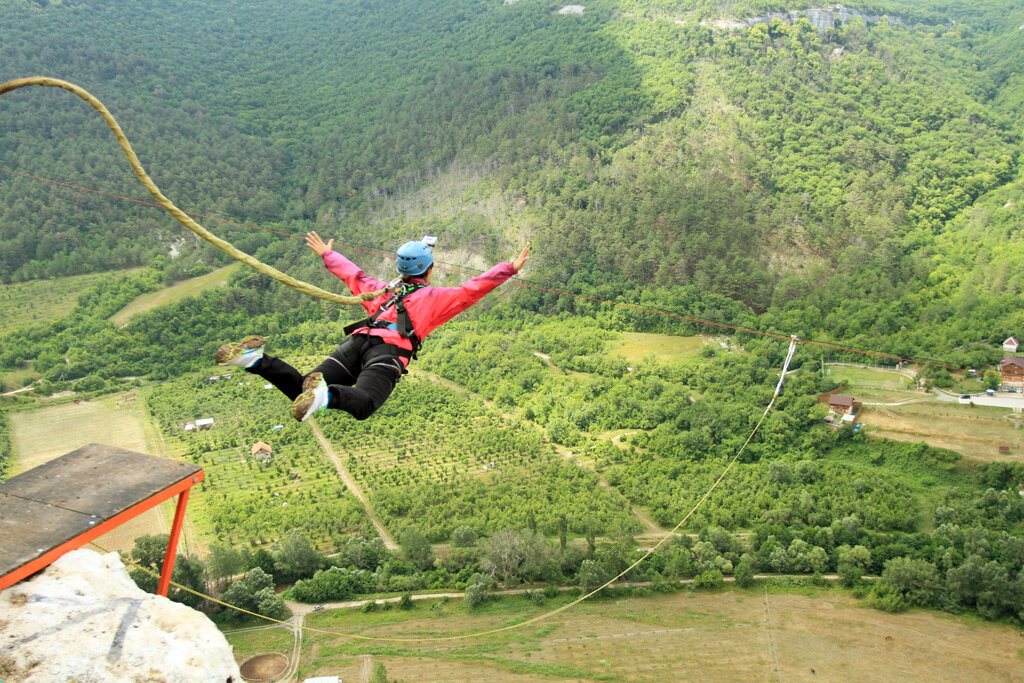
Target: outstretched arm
{"points": [[356, 280]]}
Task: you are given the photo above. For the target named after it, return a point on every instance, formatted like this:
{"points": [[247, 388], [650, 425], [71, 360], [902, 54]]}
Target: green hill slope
{"points": [[852, 169]]}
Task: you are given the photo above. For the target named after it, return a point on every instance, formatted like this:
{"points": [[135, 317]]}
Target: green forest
{"points": [[857, 184]]}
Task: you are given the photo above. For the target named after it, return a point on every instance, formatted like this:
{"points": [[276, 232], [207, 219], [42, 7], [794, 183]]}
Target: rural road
{"points": [[1001, 400], [301, 609], [350, 483]]}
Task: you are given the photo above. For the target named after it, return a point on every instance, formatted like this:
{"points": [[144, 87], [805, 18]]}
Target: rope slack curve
{"points": [[464, 636], [178, 214]]}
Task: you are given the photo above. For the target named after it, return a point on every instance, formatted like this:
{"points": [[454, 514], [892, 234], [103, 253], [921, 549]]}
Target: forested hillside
{"points": [[856, 181]]}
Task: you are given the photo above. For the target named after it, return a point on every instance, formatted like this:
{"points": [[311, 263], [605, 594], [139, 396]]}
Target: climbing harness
{"points": [[178, 214], [399, 289]]}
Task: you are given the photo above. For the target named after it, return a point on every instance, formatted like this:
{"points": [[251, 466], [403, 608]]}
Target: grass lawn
{"points": [[887, 396], [249, 643], [38, 436], [635, 346], [15, 379], [869, 378], [731, 634], [181, 290]]}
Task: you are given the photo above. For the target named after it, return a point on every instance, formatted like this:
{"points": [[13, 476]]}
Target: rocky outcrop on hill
{"points": [[84, 619], [821, 18]]}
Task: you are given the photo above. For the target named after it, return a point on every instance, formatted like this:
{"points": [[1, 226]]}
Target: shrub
{"points": [[709, 579]]}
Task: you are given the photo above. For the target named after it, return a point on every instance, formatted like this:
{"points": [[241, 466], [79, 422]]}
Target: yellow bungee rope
{"points": [[178, 214]]}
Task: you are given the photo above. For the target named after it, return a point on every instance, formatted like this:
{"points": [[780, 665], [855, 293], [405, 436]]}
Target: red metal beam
{"points": [[172, 543]]}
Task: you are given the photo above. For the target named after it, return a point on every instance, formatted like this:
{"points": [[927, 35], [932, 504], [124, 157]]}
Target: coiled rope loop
{"points": [[178, 214]]}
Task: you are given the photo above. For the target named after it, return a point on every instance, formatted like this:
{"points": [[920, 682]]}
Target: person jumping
{"points": [[362, 371]]}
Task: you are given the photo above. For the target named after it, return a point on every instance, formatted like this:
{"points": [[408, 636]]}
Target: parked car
{"points": [[317, 608], [965, 398]]}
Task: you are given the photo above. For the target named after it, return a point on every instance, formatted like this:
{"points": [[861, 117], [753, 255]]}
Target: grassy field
{"points": [[731, 634], [249, 643], [38, 436], [41, 300], [870, 378], [976, 432], [15, 379], [181, 290], [635, 346]]}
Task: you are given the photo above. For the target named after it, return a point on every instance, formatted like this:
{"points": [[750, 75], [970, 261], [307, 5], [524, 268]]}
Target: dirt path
{"points": [[367, 669], [350, 483], [301, 609], [459, 389]]}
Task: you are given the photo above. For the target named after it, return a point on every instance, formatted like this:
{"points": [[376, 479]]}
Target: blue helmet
{"points": [[414, 258]]}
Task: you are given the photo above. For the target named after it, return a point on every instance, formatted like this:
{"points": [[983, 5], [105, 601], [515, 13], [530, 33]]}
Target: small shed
{"points": [[260, 447], [261, 451], [841, 405], [204, 423], [1011, 345]]}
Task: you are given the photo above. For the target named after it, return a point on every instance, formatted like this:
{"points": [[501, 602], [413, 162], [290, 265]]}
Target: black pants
{"points": [[361, 373]]}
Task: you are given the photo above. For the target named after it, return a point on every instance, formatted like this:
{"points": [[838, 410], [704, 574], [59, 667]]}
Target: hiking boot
{"points": [[243, 354], [313, 399]]}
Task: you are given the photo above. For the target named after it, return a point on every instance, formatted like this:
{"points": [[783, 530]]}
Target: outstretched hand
{"points": [[316, 244], [520, 260]]}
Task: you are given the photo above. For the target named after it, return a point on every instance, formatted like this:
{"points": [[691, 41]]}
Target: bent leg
{"points": [[374, 384], [342, 366], [287, 379], [335, 369]]}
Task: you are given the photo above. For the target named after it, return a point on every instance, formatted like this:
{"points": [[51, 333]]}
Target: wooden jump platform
{"points": [[76, 498]]}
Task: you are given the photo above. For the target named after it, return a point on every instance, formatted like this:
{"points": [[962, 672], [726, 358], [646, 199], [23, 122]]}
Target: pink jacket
{"points": [[428, 307]]}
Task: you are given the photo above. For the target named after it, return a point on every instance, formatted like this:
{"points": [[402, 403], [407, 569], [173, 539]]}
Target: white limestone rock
{"points": [[84, 619]]}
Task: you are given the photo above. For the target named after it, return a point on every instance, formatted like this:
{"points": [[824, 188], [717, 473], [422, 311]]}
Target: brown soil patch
{"points": [[264, 667], [973, 437]]}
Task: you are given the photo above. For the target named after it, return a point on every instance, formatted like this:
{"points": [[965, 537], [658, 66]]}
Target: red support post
{"points": [[172, 544]]}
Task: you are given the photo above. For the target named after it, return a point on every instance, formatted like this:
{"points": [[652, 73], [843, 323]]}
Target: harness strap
{"points": [[403, 326]]}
